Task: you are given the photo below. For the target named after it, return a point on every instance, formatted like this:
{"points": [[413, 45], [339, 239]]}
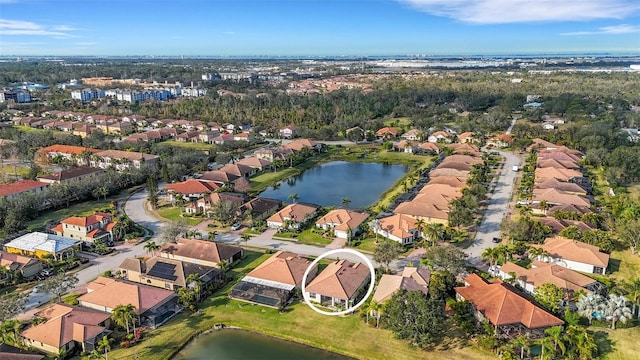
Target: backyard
{"points": [[299, 323]]}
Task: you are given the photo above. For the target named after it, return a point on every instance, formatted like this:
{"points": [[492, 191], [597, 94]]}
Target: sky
{"points": [[318, 27]]}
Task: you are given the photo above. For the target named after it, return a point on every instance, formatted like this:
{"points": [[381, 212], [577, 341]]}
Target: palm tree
{"points": [[492, 255], [534, 252], [632, 292], [151, 247], [105, 344], [245, 237], [223, 265], [544, 206], [293, 197], [378, 315], [616, 309], [523, 343], [123, 314], [581, 342], [420, 224], [546, 345], [345, 202], [371, 309], [556, 333], [195, 284], [432, 232]]}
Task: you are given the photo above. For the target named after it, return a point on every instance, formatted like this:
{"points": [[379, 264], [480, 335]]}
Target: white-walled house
{"points": [[292, 216], [340, 285], [574, 255], [542, 273], [398, 227], [345, 223]]}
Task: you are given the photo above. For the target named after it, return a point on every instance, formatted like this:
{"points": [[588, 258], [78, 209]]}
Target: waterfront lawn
{"points": [[173, 213], [346, 335], [624, 342]]}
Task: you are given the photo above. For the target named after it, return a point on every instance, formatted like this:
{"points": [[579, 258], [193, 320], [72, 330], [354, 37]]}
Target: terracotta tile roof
{"points": [[128, 155], [20, 186], [8, 352], [559, 164], [442, 191], [465, 147], [387, 130], [68, 149], [560, 224], [560, 156], [569, 208], [423, 210], [448, 172], [201, 250], [85, 221], [62, 327], [453, 181], [543, 174], [193, 186], [429, 146], [218, 176], [216, 197], [441, 134], [283, 267], [503, 306], [340, 279], [343, 219], [299, 144], [117, 292], [539, 144], [70, 173], [559, 247], [411, 279], [553, 196], [543, 273], [398, 225], [254, 162], [296, 212], [7, 260], [554, 183], [237, 169]]}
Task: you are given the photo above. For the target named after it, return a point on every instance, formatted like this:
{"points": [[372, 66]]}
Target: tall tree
{"points": [[151, 247], [550, 296], [12, 305], [414, 317], [123, 315], [446, 257], [293, 197], [58, 284], [386, 251], [105, 345]]}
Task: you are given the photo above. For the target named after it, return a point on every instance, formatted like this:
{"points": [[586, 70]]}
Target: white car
{"points": [[236, 226]]}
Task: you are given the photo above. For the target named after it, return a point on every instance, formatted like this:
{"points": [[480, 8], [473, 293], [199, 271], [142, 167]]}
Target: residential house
{"points": [[83, 130], [273, 282], [208, 136], [345, 223], [500, 141], [411, 279], [452, 181], [238, 170], [300, 144], [288, 132], [459, 162], [17, 188], [560, 224], [71, 175], [255, 162], [510, 313], [222, 139], [439, 137], [261, 208], [398, 227], [562, 186], [95, 228], [430, 213], [8, 352], [559, 164], [558, 155], [222, 178], [170, 274], [77, 154], [153, 306], [386, 133], [341, 284], [201, 252], [465, 149], [412, 135], [67, 328], [429, 147], [192, 188], [272, 154], [545, 273], [544, 174], [292, 216], [556, 197], [38, 244], [26, 266], [467, 137], [207, 202], [574, 255], [438, 194], [121, 160], [407, 146], [188, 136]]}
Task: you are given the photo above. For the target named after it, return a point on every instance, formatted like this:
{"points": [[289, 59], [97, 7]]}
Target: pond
{"points": [[329, 183], [243, 345]]}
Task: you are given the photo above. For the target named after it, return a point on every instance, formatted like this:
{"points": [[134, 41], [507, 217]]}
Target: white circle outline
{"points": [[306, 297]]}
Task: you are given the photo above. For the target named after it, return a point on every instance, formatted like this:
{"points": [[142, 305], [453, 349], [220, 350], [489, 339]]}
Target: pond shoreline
{"points": [[226, 328]]}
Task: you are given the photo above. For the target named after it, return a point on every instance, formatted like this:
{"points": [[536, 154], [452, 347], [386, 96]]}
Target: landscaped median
{"points": [[348, 335]]}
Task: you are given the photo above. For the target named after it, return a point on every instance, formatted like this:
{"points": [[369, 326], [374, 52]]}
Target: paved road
{"points": [[134, 208], [496, 208]]}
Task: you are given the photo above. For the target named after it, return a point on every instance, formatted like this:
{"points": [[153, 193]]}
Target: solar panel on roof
{"points": [[163, 270]]}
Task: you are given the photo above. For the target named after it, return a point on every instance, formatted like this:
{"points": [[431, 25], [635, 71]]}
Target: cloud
{"points": [[19, 27], [517, 11], [607, 30]]}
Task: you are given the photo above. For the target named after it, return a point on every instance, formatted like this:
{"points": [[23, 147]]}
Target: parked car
{"points": [[496, 240], [236, 226]]}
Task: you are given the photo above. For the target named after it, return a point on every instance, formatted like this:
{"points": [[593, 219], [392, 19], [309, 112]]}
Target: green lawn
{"points": [[398, 122], [347, 335], [173, 214], [80, 209], [8, 172], [367, 244], [624, 342], [624, 266], [312, 238]]}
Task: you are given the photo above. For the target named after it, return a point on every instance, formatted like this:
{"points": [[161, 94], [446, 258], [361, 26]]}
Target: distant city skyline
{"points": [[317, 27]]}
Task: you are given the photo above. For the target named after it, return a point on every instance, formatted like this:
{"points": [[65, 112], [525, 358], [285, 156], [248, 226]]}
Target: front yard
{"points": [[174, 214]]}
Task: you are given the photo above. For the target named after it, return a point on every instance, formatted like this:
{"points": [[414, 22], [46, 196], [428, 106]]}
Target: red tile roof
{"points": [[20, 186], [193, 186], [503, 306], [68, 149]]}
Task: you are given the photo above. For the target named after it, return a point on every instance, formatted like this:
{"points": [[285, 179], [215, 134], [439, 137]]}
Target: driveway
{"points": [[498, 204], [134, 208]]}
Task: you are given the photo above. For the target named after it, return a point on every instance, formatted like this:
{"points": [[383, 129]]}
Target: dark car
{"points": [[496, 240]]}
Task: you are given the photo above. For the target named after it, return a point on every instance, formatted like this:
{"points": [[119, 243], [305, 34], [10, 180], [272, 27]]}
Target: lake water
{"points": [[329, 183], [245, 345]]}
